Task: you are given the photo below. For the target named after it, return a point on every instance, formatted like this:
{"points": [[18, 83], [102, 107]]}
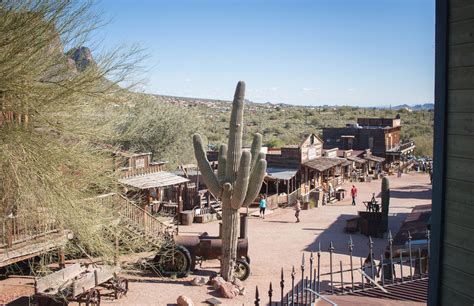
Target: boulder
{"points": [[184, 301], [216, 282], [199, 281], [228, 291]]}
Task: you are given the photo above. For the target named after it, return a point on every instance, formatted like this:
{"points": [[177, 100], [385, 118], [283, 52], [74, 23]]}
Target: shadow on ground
{"points": [[335, 234]]}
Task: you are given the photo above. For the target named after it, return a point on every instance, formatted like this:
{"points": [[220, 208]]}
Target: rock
{"points": [[227, 290], [82, 57], [184, 301], [216, 282], [199, 281], [237, 282]]}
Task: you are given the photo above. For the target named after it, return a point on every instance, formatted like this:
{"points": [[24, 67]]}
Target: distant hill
{"points": [[426, 106]]}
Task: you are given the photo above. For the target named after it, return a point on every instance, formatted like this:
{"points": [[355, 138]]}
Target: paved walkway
{"points": [[278, 242]]}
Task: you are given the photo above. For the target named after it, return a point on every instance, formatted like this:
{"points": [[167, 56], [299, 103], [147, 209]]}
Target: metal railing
{"points": [[342, 279]]}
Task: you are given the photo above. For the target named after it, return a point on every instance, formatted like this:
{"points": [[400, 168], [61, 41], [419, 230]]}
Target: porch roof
{"points": [[153, 180], [324, 163], [280, 173], [356, 159], [374, 158]]}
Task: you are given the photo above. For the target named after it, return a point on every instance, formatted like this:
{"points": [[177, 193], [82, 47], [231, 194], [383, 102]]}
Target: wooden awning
{"points": [[374, 158], [153, 180], [324, 163], [356, 159]]}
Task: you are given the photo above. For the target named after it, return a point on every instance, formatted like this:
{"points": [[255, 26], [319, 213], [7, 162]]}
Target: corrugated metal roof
{"points": [[153, 180], [324, 163], [281, 173]]}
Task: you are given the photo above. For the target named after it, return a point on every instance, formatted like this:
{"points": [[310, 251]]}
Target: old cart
{"points": [[182, 256], [79, 283]]}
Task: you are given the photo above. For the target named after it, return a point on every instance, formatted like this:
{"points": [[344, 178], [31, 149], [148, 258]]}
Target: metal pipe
{"points": [[372, 281], [292, 285], [409, 255], [322, 297], [342, 277], [243, 226], [282, 286], [331, 249], [351, 247], [401, 266]]}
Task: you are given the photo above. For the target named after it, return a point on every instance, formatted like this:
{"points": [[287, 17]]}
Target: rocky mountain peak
{"points": [[82, 57]]}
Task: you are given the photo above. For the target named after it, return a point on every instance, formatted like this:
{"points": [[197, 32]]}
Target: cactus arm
{"points": [[222, 163], [242, 181], [234, 151], [206, 171], [256, 148], [255, 181], [226, 192]]}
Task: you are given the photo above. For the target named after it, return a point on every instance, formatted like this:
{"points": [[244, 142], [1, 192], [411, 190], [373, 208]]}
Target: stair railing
{"points": [[138, 216]]}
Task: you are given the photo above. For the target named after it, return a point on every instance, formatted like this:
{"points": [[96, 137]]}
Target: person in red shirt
{"points": [[354, 194]]}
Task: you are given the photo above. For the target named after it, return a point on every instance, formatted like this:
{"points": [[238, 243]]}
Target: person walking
{"points": [[263, 205], [297, 210], [354, 194]]}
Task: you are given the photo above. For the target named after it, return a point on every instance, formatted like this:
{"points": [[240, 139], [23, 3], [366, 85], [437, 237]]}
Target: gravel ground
{"points": [[278, 242]]}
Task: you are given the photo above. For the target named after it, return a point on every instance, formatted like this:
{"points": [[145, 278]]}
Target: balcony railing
{"points": [[21, 228]]}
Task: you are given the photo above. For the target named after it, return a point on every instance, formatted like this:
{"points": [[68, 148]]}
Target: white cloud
{"points": [[308, 89], [188, 80]]}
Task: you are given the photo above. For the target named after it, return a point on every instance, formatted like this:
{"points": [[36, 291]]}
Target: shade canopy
{"points": [[153, 180], [281, 173], [324, 163]]}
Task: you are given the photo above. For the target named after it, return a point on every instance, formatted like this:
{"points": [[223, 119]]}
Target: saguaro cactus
{"points": [[238, 181], [385, 203]]}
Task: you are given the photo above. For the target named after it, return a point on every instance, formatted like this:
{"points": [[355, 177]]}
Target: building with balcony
{"points": [[379, 135]]}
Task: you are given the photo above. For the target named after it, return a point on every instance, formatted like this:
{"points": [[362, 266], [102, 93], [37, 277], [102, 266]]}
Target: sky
{"points": [[334, 52]]}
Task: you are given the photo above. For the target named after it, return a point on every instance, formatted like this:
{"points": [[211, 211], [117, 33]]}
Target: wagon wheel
{"points": [[174, 261], [120, 287], [93, 298], [241, 269]]}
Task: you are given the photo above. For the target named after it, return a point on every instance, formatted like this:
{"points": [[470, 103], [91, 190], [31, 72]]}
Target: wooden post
{"points": [[287, 192], [9, 229], [278, 197], [266, 188], [62, 260], [116, 251]]}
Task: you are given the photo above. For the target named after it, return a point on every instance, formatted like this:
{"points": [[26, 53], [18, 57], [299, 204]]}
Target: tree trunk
{"points": [[230, 236]]}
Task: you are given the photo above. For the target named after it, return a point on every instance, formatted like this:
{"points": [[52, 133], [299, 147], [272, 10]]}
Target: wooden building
{"points": [[452, 249], [284, 177], [380, 135], [146, 182]]}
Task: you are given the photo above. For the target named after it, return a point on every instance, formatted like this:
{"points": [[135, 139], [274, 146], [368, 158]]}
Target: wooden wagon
{"points": [[79, 283]]}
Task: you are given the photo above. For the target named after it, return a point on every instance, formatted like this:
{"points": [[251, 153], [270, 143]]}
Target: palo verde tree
{"points": [[238, 181], [52, 108]]}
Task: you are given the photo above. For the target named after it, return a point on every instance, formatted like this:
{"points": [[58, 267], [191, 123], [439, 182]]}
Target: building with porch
{"points": [[380, 135], [147, 183]]}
